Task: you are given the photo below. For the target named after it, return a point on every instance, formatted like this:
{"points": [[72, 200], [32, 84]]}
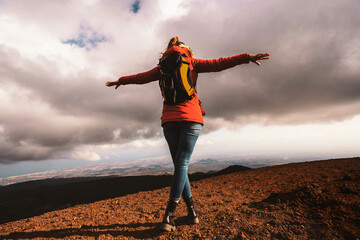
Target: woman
{"points": [[182, 122]]}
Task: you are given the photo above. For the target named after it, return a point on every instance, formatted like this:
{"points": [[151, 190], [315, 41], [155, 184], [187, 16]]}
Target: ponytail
{"points": [[174, 41]]}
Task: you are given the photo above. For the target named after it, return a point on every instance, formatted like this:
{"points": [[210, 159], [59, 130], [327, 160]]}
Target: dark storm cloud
{"points": [[308, 71], [78, 111]]}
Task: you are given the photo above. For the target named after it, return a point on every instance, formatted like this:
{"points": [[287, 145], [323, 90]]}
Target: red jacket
{"points": [[190, 110]]}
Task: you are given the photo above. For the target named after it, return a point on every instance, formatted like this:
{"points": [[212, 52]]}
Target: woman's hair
{"points": [[174, 41]]}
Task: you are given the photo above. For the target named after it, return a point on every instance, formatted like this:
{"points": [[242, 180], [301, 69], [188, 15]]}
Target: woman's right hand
{"points": [[112, 83], [260, 56]]}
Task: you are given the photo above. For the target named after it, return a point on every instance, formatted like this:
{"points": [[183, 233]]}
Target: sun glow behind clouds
{"points": [[170, 9], [286, 143], [335, 139]]}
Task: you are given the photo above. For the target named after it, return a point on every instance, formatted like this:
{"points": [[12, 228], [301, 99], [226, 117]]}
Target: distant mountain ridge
{"points": [[151, 166], [31, 198]]}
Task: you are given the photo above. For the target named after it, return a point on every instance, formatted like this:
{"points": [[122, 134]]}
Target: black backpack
{"points": [[176, 83]]}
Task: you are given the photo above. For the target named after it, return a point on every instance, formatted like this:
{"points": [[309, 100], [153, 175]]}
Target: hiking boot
{"points": [[168, 223], [192, 215]]}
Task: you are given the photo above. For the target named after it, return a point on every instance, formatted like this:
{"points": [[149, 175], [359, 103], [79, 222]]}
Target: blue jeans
{"points": [[181, 138]]}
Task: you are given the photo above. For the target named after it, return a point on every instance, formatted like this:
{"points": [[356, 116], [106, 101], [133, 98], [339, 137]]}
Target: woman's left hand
{"points": [[259, 56], [112, 83]]}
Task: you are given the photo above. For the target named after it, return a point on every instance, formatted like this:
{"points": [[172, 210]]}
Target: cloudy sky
{"points": [[55, 57]]}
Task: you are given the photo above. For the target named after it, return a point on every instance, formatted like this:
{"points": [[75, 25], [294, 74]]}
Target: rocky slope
{"points": [[311, 200]]}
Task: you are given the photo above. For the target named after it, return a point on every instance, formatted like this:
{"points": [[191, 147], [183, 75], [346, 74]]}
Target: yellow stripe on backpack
{"points": [[184, 72]]}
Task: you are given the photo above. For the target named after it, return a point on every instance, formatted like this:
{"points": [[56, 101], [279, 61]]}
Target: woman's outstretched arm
{"points": [[216, 65], [140, 78]]}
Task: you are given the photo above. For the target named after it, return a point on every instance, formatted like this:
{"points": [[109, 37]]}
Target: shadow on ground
{"points": [[137, 230]]}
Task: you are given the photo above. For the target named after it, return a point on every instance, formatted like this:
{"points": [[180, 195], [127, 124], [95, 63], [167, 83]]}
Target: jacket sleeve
{"points": [[141, 78], [216, 65]]}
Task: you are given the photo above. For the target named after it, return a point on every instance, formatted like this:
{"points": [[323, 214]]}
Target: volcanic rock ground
{"points": [[310, 200]]}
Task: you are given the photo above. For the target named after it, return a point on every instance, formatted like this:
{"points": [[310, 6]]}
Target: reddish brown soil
{"points": [[312, 200]]}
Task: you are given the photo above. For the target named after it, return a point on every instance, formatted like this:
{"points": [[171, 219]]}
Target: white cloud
{"points": [[145, 143], [87, 156]]}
